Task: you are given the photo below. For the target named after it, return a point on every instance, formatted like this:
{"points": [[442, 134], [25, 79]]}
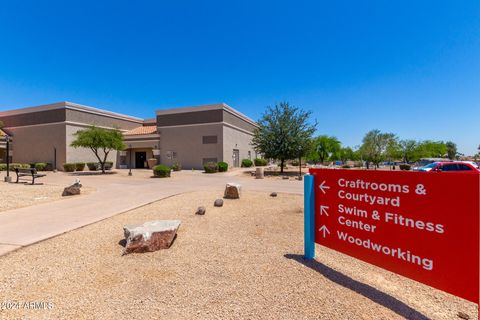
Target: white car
{"points": [[474, 164]]}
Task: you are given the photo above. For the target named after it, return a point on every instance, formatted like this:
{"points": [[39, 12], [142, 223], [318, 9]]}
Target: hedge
{"points": [[222, 166], [210, 167], [69, 167], [247, 163], [92, 166], [40, 166], [108, 165], [3, 166], [79, 166], [259, 162], [161, 171]]}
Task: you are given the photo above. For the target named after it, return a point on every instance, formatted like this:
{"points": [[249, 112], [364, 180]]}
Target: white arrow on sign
{"points": [[325, 230], [323, 210], [322, 187]]}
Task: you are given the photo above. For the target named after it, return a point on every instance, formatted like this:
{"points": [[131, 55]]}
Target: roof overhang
{"points": [[207, 107], [71, 106]]}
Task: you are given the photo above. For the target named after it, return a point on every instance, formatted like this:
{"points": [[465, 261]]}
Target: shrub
{"points": [[247, 163], [210, 167], [404, 167], [222, 166], [3, 166], [108, 165], [79, 166], [92, 166], [346, 166], [161, 171], [295, 163], [69, 167], [176, 166], [259, 162], [40, 166]]}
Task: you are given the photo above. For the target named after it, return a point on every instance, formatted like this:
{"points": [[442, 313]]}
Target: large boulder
{"points": [[232, 191], [72, 190], [150, 236]]}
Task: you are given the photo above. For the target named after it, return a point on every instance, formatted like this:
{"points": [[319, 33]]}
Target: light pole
{"points": [[300, 163], [8, 178], [54, 159], [130, 162]]}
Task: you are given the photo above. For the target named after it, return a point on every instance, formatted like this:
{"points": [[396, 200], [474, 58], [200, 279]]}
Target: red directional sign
{"points": [[422, 225]]}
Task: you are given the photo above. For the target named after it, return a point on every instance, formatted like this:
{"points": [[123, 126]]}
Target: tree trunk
{"points": [[102, 163], [99, 159], [282, 161]]}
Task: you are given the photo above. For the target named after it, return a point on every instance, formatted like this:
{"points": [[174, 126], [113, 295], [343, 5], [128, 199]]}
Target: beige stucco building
{"points": [[189, 136]]}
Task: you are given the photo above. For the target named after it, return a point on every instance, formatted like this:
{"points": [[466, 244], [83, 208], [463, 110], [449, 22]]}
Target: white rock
{"points": [[232, 191], [150, 236]]}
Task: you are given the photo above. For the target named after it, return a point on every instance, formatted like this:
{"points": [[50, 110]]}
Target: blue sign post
{"points": [[309, 216]]}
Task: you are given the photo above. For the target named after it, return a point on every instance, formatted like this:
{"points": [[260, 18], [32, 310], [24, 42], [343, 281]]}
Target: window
{"points": [[464, 167], [209, 139], [250, 155], [449, 167], [171, 155]]}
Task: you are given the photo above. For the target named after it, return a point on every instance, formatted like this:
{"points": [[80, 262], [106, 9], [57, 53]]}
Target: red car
{"points": [[451, 167]]}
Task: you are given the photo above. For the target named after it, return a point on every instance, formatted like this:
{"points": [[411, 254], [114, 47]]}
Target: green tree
{"points": [[409, 150], [346, 154], [100, 141], [393, 150], [451, 150], [284, 133], [325, 147], [431, 149], [374, 146]]}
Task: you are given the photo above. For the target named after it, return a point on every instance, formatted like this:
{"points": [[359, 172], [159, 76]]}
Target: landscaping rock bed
{"points": [[241, 262]]}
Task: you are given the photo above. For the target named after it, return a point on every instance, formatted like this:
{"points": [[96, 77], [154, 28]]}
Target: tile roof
{"points": [[141, 130]]}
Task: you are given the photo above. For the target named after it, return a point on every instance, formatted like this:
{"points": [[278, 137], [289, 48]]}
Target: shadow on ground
{"points": [[91, 173], [365, 290]]}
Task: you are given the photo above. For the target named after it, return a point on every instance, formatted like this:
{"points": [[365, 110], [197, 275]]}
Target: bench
{"points": [[30, 172]]}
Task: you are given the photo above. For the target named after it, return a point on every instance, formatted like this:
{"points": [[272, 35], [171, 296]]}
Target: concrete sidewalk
{"points": [[115, 194]]}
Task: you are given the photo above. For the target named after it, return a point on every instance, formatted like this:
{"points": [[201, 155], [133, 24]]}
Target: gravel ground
{"points": [[14, 196], [242, 261]]}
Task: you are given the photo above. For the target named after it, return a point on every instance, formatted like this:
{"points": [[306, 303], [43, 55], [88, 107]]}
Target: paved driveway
{"points": [[115, 194]]}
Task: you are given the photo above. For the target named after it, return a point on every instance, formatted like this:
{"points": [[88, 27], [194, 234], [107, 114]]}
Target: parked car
{"points": [[474, 164], [423, 162], [458, 166], [427, 167]]}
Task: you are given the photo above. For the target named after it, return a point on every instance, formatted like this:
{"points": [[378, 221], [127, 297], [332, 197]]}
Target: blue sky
{"points": [[408, 67]]}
